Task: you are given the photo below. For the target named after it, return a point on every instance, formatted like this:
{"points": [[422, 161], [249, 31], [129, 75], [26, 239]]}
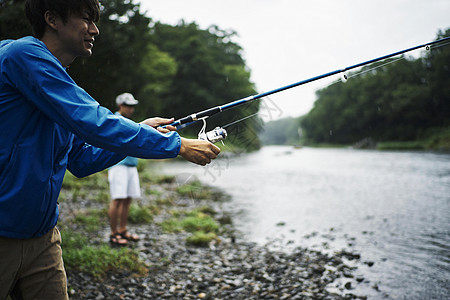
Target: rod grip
{"points": [[209, 112]]}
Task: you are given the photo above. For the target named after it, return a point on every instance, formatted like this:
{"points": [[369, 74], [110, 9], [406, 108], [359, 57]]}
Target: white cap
{"points": [[127, 99]]}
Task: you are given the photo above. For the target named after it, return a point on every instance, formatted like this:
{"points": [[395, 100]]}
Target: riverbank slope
{"points": [[165, 265]]}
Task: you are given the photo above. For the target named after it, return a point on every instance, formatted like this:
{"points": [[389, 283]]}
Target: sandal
{"points": [[128, 236], [117, 240]]}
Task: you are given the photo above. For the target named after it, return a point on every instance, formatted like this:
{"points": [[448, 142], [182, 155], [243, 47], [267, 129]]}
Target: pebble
{"points": [[301, 274], [230, 268]]}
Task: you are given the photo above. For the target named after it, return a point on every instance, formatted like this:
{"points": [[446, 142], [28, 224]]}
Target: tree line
{"points": [[173, 70], [398, 101], [395, 100]]}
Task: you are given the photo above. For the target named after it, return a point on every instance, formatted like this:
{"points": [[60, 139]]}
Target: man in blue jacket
{"points": [[47, 125]]}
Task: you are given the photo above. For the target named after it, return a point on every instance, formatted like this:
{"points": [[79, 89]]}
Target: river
{"points": [[391, 207]]}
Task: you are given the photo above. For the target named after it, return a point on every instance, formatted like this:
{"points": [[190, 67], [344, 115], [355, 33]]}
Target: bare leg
{"points": [[114, 213], [124, 210]]}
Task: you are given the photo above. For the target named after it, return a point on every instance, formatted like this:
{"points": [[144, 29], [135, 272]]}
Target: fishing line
{"points": [[221, 133], [345, 77], [240, 120], [438, 46]]}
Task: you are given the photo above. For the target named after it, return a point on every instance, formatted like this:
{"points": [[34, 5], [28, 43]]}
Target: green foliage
{"points": [[432, 139], [171, 225], [393, 102], [95, 181], [172, 70], [198, 222], [438, 139], [196, 190], [140, 214], [210, 72], [13, 22], [98, 260], [91, 219], [94, 186], [73, 240], [208, 210], [200, 238], [79, 255], [414, 145]]}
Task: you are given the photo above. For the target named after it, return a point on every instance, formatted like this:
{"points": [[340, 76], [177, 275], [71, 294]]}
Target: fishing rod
{"points": [[220, 133]]}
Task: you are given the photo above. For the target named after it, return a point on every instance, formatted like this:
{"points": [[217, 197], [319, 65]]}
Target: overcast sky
{"points": [[286, 41]]}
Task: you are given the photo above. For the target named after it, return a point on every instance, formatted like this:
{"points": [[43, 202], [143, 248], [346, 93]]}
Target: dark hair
{"points": [[35, 10]]}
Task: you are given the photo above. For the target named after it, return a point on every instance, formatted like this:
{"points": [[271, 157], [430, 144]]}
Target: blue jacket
{"points": [[128, 161], [49, 124]]}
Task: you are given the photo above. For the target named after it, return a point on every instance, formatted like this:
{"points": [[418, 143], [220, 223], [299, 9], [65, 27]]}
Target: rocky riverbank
{"points": [[228, 268]]}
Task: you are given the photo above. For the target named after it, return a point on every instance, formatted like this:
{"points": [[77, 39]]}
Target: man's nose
{"points": [[93, 29]]}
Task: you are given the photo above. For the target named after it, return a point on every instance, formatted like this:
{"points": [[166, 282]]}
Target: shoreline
{"points": [[228, 268]]}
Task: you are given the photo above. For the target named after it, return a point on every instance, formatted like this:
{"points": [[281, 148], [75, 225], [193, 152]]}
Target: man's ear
{"points": [[50, 19]]}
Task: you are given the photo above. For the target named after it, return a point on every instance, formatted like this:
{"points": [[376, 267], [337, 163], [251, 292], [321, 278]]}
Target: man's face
{"points": [[126, 110], [77, 35]]}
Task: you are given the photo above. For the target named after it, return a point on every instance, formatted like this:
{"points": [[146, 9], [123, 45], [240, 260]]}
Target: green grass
{"points": [[95, 181], [199, 222], [97, 260], [202, 226], [196, 190], [200, 238], [433, 139], [439, 139], [80, 254], [94, 187], [91, 219], [140, 214], [190, 221], [415, 145]]}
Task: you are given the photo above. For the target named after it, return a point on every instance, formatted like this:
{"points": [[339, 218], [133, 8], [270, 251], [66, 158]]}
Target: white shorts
{"points": [[124, 182]]}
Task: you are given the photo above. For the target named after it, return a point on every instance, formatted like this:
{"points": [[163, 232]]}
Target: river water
{"points": [[393, 208]]}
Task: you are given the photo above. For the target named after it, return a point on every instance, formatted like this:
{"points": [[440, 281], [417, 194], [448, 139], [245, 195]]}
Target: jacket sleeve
{"points": [[85, 159], [41, 78]]}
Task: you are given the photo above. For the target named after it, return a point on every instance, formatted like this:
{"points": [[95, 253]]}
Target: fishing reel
{"points": [[213, 136]]}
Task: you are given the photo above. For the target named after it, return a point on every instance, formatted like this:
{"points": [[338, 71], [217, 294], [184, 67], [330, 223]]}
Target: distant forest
{"points": [[396, 100]]}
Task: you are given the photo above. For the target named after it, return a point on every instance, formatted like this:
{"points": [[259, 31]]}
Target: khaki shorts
{"points": [[33, 268]]}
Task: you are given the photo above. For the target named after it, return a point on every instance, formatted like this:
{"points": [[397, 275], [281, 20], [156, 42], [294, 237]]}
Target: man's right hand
{"points": [[198, 151]]}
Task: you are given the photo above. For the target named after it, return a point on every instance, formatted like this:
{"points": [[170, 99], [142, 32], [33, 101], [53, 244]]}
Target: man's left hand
{"points": [[157, 122]]}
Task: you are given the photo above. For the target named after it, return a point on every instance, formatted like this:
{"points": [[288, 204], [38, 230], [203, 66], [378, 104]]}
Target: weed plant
{"points": [[97, 260], [202, 226], [140, 214]]}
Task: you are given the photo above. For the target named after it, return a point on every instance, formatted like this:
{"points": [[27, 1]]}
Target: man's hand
{"points": [[156, 122], [198, 151]]}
